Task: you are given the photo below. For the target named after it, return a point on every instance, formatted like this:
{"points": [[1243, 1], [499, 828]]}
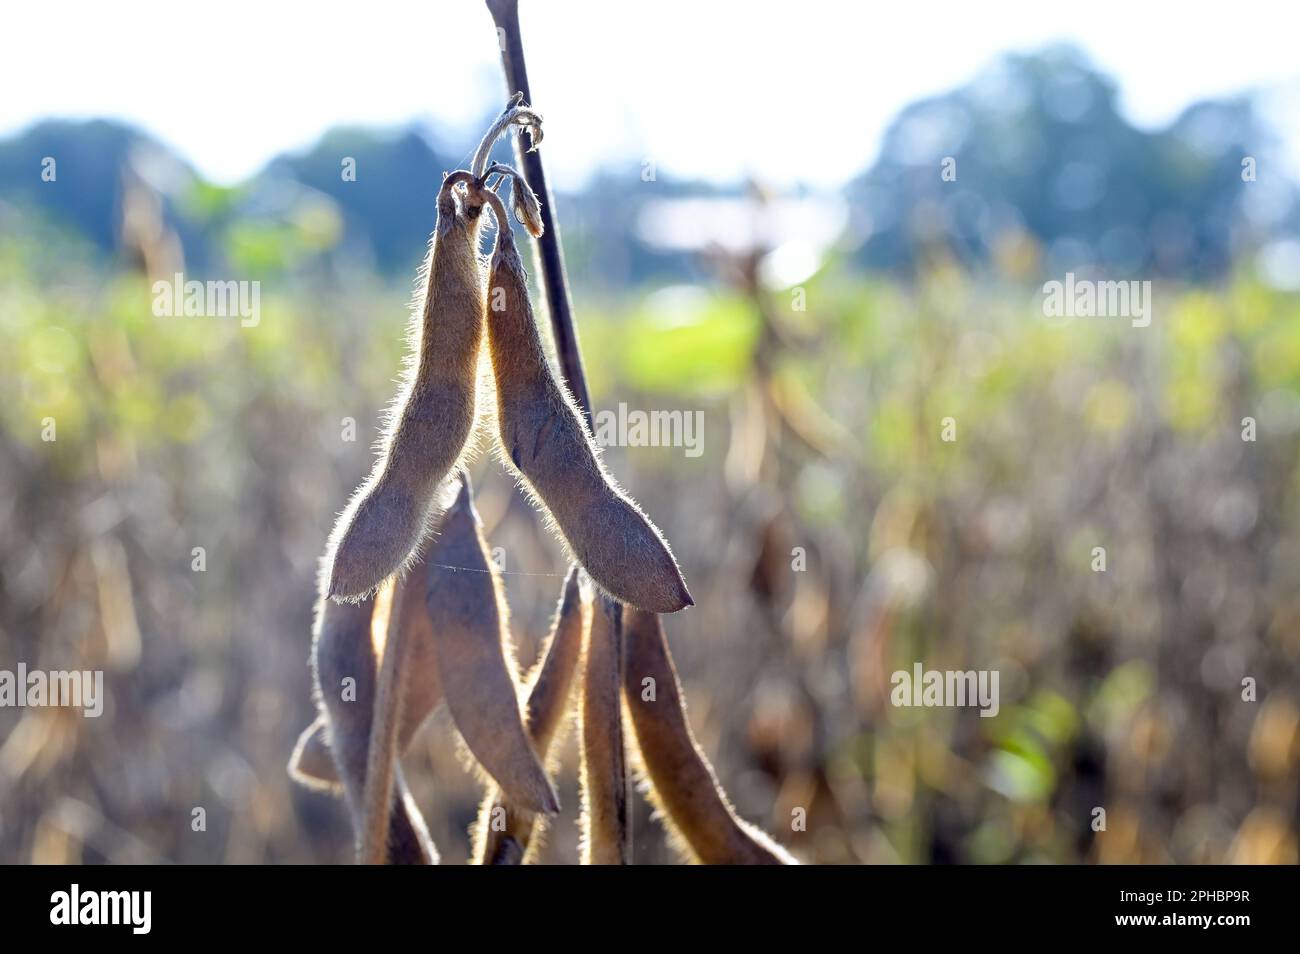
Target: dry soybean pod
{"points": [[604, 817], [312, 764], [343, 663], [402, 703], [682, 782], [468, 611], [505, 833], [543, 436], [431, 421], [433, 416]]}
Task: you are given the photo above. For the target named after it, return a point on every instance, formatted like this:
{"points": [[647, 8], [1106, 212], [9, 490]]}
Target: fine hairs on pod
{"points": [[542, 435]]}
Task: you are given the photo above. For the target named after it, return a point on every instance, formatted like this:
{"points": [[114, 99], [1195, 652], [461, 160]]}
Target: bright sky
{"points": [[795, 90]]}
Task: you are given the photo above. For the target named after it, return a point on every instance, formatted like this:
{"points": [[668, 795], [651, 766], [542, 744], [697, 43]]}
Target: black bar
{"points": [[914, 904]]}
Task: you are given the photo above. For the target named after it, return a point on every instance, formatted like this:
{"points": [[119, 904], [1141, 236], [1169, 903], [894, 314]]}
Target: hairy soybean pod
{"points": [[343, 662], [505, 833], [433, 416], [604, 817], [312, 764], [468, 612], [402, 701], [684, 786], [543, 435]]}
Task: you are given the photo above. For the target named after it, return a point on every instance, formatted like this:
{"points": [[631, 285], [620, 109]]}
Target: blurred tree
{"points": [[1036, 148]]}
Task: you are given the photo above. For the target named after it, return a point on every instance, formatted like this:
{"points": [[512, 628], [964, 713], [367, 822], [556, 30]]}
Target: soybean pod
{"points": [[543, 436], [468, 615]]}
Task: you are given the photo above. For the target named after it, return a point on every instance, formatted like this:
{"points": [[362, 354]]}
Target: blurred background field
{"points": [[825, 336]]}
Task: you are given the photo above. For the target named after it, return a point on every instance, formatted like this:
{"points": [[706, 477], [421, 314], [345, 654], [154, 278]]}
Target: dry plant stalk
{"points": [[680, 781], [550, 253], [504, 832], [604, 819]]}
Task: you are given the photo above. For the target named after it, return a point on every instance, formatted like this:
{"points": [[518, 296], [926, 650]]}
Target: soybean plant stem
{"points": [[555, 281]]}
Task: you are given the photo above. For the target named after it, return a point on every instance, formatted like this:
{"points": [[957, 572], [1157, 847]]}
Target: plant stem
{"points": [[555, 281], [555, 284]]}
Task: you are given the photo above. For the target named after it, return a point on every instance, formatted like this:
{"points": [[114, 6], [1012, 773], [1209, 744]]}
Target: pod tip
{"points": [[339, 591], [683, 594]]}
